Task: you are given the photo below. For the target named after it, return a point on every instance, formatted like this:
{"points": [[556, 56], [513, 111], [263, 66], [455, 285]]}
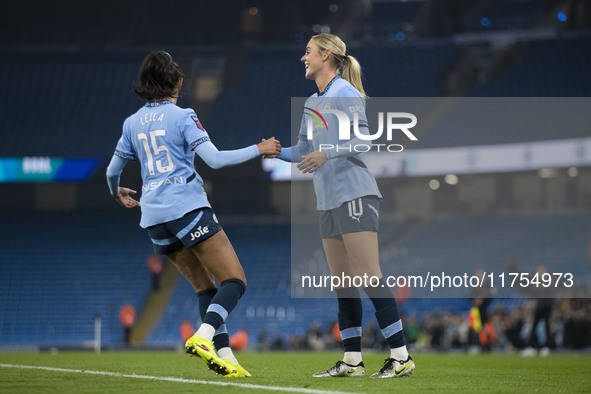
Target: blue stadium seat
{"points": [[78, 266]]}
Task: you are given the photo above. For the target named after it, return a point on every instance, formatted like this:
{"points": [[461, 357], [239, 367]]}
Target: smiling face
{"points": [[313, 60]]}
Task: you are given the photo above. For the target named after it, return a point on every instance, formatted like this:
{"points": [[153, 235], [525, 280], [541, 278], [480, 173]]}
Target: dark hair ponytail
{"points": [[158, 77]]}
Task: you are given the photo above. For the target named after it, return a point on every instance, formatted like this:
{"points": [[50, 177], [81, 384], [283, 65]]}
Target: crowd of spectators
{"points": [[569, 326]]}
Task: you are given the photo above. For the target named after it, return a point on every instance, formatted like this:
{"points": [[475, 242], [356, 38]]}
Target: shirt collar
{"points": [[157, 103], [328, 86]]}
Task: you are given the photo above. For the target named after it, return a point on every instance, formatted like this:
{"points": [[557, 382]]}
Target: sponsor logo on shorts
{"points": [[356, 209], [199, 232]]}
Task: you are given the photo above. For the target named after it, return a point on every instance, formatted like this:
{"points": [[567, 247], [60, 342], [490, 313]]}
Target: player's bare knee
{"points": [[203, 284]]}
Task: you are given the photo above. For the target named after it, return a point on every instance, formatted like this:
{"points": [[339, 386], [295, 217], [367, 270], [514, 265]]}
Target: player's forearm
{"points": [[218, 159], [114, 173], [294, 154], [285, 154]]}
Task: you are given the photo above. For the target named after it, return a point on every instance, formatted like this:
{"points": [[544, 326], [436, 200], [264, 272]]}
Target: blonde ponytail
{"points": [[352, 73], [351, 67]]}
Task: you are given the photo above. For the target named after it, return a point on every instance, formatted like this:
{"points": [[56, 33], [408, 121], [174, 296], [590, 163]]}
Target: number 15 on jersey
{"points": [[157, 150]]}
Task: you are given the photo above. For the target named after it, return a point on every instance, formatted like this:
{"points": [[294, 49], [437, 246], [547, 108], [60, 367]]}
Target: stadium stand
{"points": [[51, 297], [412, 69], [78, 266], [59, 89], [261, 104], [60, 269], [48, 102], [556, 241], [507, 15], [389, 18], [534, 74]]}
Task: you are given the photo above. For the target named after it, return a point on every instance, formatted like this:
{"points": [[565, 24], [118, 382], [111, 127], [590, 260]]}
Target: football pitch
{"points": [[149, 371]]}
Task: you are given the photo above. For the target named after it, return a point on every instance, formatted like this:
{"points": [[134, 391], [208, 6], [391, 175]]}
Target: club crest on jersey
{"points": [[197, 122]]}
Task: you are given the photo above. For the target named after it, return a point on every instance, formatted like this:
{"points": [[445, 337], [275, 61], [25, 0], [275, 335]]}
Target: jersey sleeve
{"points": [[194, 133], [124, 147], [303, 146], [218, 159], [114, 172], [294, 154]]}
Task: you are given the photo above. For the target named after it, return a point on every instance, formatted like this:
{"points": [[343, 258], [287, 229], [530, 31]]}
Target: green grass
{"points": [[435, 373]]}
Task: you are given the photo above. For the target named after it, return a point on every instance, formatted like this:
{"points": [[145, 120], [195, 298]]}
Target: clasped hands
{"points": [[271, 148]]}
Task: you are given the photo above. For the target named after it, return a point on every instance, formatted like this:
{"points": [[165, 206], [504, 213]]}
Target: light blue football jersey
{"points": [[340, 179], [162, 137]]}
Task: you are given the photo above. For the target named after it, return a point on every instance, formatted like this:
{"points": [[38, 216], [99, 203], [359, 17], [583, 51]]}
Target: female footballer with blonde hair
{"points": [[348, 202]]}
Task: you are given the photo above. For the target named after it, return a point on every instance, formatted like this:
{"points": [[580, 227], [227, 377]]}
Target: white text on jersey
{"points": [[151, 117], [166, 182]]}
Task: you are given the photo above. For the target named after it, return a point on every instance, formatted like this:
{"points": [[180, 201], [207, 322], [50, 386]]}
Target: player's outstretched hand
{"points": [[124, 199], [269, 148], [312, 161]]}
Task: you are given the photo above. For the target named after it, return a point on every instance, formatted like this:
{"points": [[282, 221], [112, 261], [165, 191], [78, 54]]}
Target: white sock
{"points": [[352, 358], [226, 353], [399, 353], [206, 331]]}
